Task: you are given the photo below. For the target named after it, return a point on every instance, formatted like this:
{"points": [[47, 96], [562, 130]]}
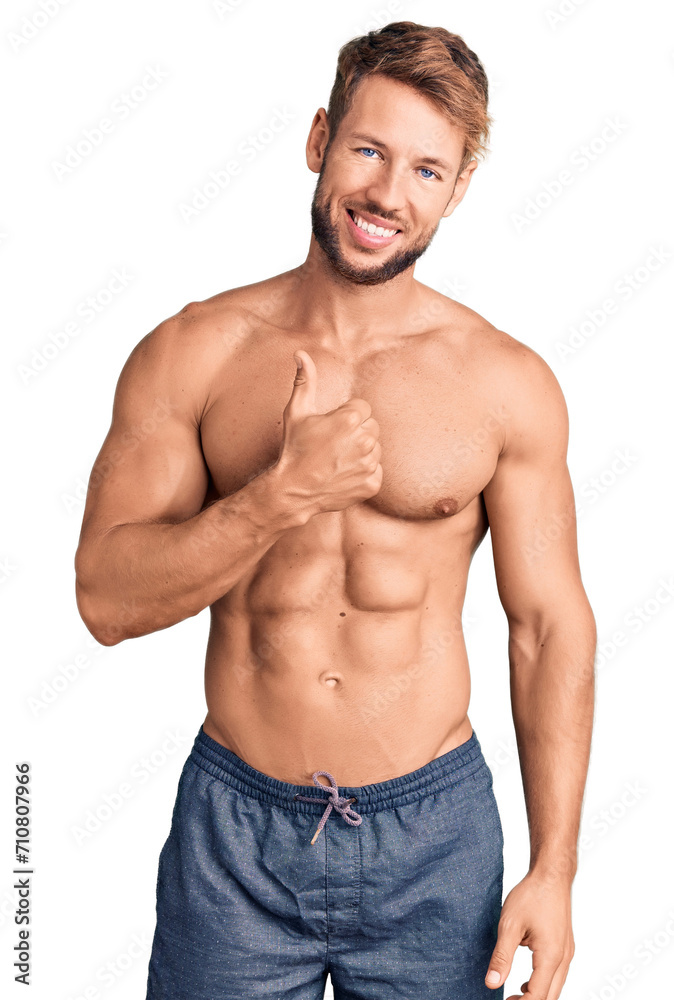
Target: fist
{"points": [[328, 460]]}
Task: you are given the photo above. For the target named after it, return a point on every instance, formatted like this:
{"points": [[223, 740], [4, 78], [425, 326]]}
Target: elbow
{"points": [[95, 621], [569, 638], [93, 609], [104, 637]]}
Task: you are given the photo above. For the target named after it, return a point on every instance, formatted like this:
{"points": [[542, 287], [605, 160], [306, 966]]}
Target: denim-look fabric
{"points": [[404, 905]]}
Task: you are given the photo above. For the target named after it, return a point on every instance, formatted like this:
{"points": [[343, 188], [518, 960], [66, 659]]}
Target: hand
{"points": [[328, 460], [536, 913]]}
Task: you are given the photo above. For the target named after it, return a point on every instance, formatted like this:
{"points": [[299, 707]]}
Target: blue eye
{"points": [[366, 150]]}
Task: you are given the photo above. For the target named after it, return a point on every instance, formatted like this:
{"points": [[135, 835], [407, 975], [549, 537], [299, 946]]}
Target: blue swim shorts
{"points": [[265, 887]]}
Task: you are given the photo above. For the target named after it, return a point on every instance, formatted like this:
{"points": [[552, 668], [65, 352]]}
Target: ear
{"points": [[460, 188], [319, 133]]}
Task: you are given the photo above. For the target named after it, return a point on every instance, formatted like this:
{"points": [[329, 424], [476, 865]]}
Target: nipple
{"points": [[446, 507]]}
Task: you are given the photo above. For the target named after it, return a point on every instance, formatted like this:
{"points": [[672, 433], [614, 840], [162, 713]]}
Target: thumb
{"points": [[502, 958], [303, 398]]}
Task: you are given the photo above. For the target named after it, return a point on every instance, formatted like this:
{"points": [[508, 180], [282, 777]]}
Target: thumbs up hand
{"points": [[327, 461]]}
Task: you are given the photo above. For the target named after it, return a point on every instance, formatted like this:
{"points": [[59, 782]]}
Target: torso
{"points": [[343, 650]]}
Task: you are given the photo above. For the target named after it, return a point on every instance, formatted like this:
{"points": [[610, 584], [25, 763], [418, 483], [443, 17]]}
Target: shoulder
{"points": [[221, 322], [189, 351], [522, 373], [513, 377], [206, 326], [180, 358], [499, 357], [529, 395]]}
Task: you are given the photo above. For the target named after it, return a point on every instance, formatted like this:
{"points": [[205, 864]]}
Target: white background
{"points": [[557, 83]]}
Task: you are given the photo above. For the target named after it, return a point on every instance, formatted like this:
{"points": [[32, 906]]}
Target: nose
{"points": [[386, 192]]}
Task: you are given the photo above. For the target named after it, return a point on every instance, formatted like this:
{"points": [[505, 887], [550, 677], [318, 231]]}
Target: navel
{"points": [[330, 678]]}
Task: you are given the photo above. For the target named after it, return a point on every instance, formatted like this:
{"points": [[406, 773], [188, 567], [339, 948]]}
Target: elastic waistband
{"points": [[446, 770]]}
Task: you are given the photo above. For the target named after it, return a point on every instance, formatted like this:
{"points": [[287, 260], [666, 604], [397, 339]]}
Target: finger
{"points": [[361, 405], [545, 968], [303, 398], [558, 981], [370, 450], [502, 956], [371, 426]]}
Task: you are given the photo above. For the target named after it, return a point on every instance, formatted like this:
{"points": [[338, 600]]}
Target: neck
{"points": [[347, 312]]}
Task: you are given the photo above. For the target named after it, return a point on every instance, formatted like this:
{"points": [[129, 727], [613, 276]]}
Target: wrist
{"points": [[284, 507], [557, 868]]}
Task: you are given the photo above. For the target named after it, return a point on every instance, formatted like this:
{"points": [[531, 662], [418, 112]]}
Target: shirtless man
{"points": [[315, 458]]}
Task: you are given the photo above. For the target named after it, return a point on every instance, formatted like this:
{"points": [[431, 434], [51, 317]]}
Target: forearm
{"points": [[141, 577], [552, 693]]}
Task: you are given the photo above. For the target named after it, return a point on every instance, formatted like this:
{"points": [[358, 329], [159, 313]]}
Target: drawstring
{"points": [[335, 801]]}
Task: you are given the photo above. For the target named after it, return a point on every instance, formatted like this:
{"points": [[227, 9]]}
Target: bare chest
{"points": [[439, 431]]}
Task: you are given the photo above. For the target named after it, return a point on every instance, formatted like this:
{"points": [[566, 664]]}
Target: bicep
{"points": [[150, 466], [530, 505]]}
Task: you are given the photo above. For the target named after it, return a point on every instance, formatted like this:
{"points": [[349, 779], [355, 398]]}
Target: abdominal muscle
{"points": [[353, 664]]}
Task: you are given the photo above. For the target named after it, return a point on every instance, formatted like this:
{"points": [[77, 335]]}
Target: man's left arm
{"points": [[552, 641]]}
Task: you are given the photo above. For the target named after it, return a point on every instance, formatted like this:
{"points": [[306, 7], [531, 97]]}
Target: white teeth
{"points": [[369, 227]]}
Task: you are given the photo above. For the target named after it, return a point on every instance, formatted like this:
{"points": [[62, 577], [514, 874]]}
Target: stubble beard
{"points": [[326, 235]]}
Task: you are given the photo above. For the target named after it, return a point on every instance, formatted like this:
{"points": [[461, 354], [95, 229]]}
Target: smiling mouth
{"points": [[369, 235], [370, 229]]}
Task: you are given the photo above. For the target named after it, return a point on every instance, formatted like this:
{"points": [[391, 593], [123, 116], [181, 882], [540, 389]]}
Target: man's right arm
{"points": [[148, 555]]}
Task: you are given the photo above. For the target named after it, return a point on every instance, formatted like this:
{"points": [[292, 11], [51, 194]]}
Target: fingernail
{"points": [[493, 976], [298, 361]]}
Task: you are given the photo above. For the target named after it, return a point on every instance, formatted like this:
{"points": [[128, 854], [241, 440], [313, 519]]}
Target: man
{"points": [[329, 525]]}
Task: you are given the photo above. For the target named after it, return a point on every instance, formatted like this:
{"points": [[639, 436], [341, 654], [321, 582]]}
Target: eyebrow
{"points": [[378, 142]]}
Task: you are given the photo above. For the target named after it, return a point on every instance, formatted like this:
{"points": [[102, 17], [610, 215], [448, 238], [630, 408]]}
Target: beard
{"points": [[327, 236]]}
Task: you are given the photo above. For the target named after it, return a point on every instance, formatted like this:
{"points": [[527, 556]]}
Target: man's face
{"points": [[382, 166]]}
